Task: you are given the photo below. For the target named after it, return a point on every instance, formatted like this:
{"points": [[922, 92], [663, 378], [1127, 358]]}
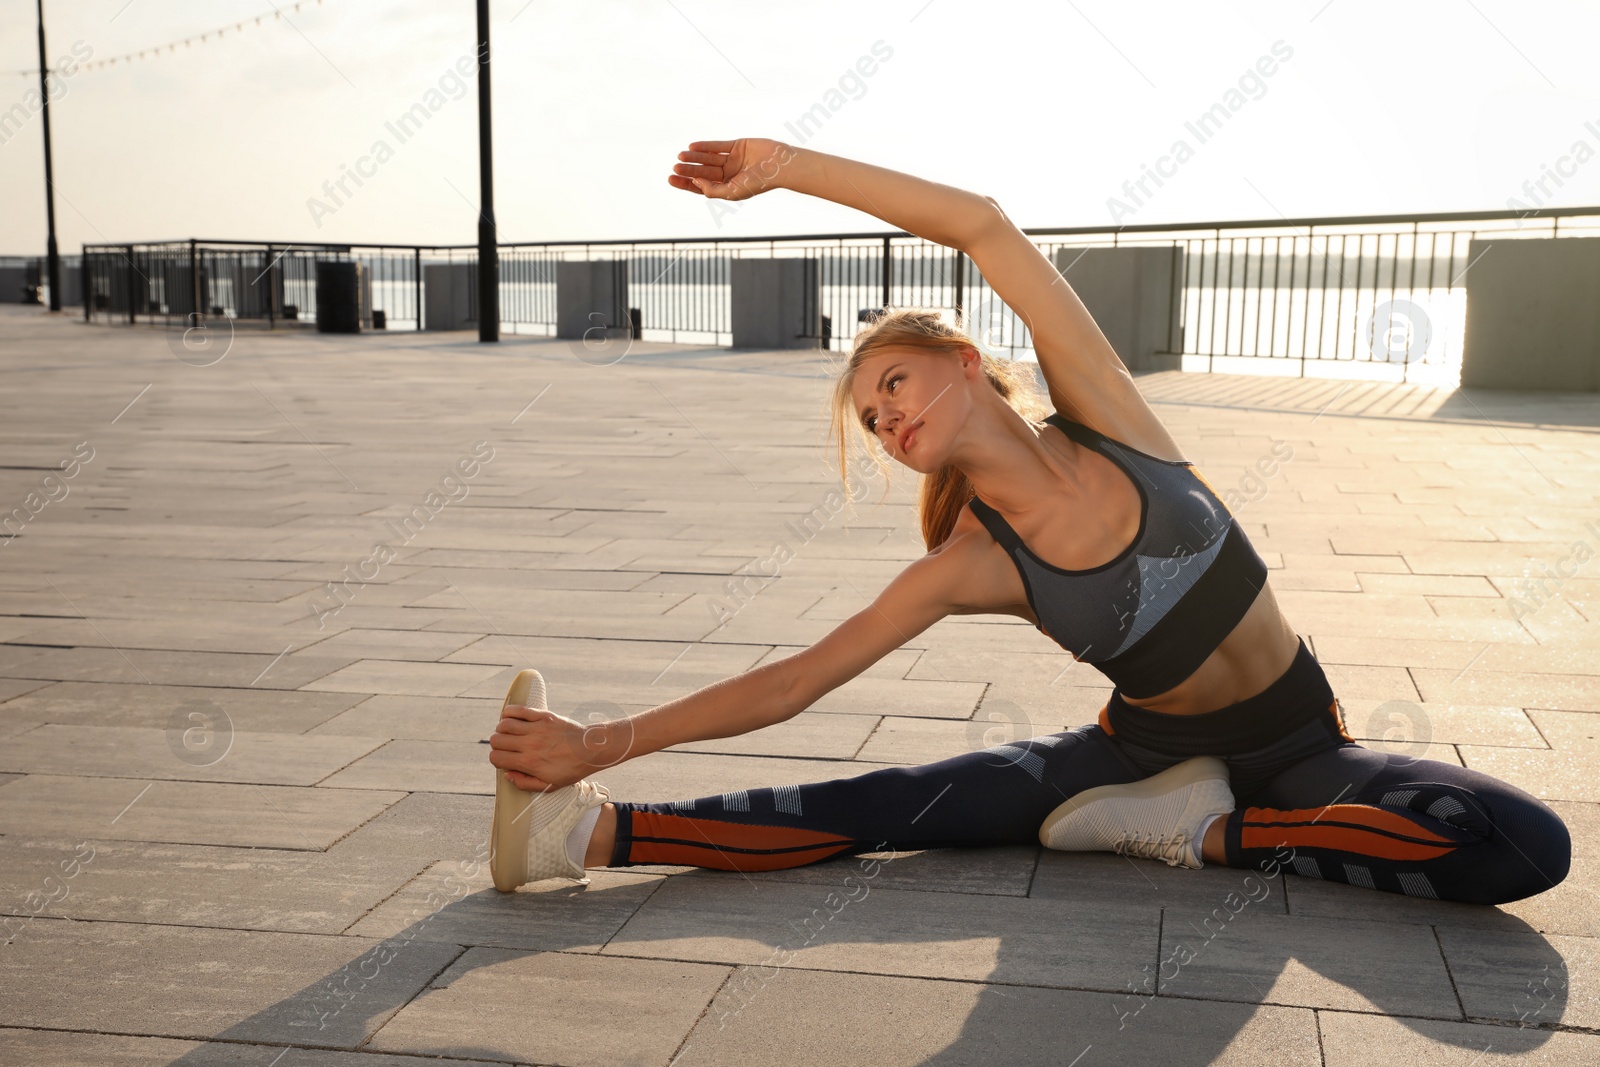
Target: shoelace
{"points": [[1173, 849]]}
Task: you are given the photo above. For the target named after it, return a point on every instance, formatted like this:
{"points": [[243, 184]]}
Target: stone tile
{"points": [[808, 734], [1566, 773], [157, 633], [15, 687], [1353, 681], [456, 902], [275, 988], [224, 669], [915, 741], [400, 678], [1347, 965], [773, 1015], [1522, 977], [1417, 651], [199, 885], [1428, 584], [116, 704], [1091, 879], [1002, 870], [63, 1048], [200, 813], [1523, 689], [539, 1007], [217, 755], [1547, 775], [1388, 726], [718, 916], [425, 827], [416, 719], [420, 645], [429, 766], [1352, 1040]]}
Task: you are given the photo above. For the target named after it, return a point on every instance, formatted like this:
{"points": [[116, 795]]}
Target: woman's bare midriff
{"points": [[1253, 656]]}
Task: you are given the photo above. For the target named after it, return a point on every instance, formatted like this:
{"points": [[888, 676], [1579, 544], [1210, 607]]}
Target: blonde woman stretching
{"points": [[1222, 740]]}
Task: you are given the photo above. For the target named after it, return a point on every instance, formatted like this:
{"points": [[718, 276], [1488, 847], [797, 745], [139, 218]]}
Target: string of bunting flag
{"points": [[237, 28]]}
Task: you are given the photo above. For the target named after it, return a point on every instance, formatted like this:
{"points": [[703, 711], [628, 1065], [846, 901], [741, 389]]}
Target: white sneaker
{"points": [[1154, 818], [528, 835]]}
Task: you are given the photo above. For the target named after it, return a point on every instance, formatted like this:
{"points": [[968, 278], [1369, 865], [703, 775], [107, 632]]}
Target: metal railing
{"points": [[1312, 289]]}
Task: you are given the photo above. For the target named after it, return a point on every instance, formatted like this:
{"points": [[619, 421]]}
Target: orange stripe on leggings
{"points": [[1355, 828], [727, 846]]}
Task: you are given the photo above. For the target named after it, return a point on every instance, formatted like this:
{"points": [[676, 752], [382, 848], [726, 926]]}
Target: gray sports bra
{"points": [[1151, 616]]}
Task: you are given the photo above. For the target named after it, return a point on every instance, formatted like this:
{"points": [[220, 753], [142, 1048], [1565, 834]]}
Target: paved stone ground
{"points": [[239, 817]]}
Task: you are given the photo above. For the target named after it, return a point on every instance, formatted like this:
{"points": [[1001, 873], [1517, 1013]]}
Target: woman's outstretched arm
{"points": [[542, 749]]}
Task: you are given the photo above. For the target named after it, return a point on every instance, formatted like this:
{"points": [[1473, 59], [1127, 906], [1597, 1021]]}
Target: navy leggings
{"points": [[1311, 801]]}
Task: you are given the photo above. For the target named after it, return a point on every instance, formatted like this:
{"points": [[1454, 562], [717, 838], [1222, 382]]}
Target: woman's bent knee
{"points": [[1533, 851]]}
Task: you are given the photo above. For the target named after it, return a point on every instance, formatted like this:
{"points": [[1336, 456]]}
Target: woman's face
{"points": [[913, 402]]}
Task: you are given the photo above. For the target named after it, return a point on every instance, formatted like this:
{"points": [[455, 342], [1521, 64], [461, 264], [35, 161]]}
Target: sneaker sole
{"points": [[1187, 773], [508, 849]]}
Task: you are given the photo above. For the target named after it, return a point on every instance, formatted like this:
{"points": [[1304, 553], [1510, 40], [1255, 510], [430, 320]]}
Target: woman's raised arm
{"points": [[1086, 379], [736, 170]]}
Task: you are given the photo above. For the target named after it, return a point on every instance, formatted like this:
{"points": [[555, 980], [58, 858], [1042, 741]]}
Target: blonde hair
{"points": [[946, 491]]}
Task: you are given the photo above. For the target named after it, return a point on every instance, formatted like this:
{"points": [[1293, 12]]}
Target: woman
{"points": [[1088, 523]]}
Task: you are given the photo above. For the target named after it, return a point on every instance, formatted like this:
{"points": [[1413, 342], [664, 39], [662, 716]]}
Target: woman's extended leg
{"points": [[1385, 821], [994, 796]]}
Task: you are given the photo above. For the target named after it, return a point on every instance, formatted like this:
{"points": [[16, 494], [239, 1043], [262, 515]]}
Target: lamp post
{"points": [[488, 254], [52, 259]]}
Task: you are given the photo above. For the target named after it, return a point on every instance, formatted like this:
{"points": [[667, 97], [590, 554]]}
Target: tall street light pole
{"points": [[488, 254], [52, 259]]}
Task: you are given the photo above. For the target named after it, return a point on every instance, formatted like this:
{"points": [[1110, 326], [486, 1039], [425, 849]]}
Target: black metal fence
{"points": [[1274, 289]]}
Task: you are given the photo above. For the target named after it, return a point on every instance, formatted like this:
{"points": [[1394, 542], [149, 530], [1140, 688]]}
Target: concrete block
{"points": [[1532, 318], [591, 296], [777, 303], [449, 296], [1131, 292]]}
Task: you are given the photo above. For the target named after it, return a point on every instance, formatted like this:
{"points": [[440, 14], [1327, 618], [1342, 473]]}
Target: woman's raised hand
{"points": [[730, 170]]}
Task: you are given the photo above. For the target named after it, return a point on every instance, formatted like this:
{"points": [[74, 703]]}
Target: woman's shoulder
{"points": [[1152, 442]]}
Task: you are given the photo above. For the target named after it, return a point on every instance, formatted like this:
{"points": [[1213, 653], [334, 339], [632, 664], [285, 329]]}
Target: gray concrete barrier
{"points": [[777, 303], [448, 296], [1533, 314], [592, 295], [1130, 292]]}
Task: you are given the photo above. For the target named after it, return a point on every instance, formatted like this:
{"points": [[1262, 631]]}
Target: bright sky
{"points": [[1378, 107]]}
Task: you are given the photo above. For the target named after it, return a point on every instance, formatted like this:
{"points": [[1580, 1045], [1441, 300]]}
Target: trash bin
{"points": [[338, 296]]}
